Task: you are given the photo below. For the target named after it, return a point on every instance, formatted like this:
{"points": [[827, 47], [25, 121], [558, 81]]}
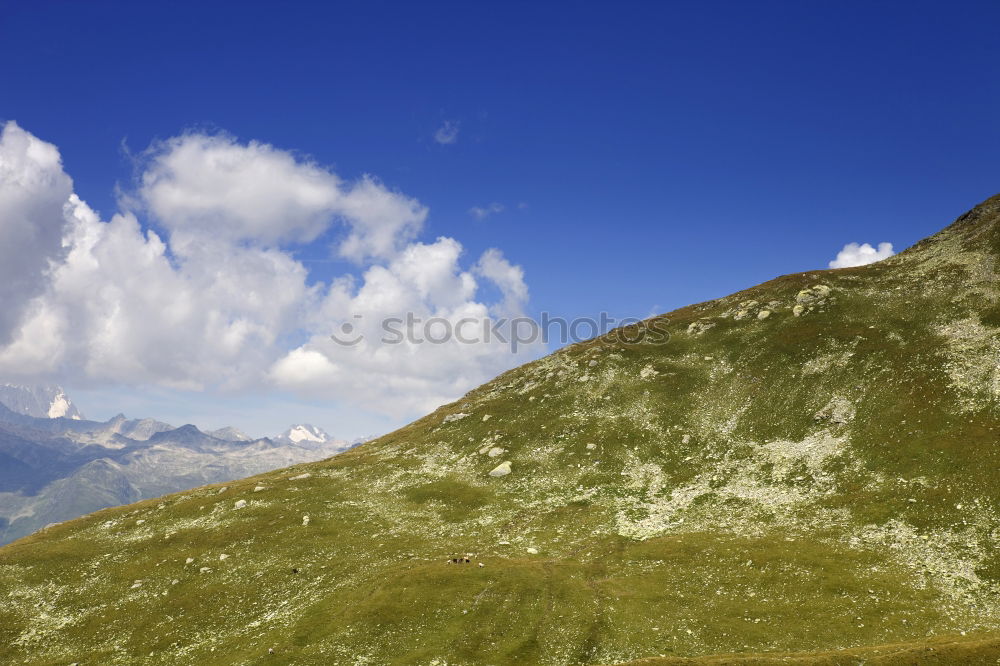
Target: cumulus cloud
{"points": [[211, 184], [508, 277], [482, 212], [33, 192], [201, 186], [119, 310], [412, 334], [447, 134], [382, 222], [855, 254], [212, 297]]}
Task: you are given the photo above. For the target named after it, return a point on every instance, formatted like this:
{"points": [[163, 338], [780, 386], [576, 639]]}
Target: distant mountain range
{"points": [[56, 465]]}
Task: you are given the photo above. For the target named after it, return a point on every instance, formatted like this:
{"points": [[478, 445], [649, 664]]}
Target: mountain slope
{"points": [[808, 466]]}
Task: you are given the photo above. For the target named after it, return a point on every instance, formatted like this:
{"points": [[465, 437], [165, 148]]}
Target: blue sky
{"points": [[645, 155]]}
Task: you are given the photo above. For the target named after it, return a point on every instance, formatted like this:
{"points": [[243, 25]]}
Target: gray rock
{"points": [[503, 469]]}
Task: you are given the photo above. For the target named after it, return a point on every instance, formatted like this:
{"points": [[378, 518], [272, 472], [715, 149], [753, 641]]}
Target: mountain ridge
{"points": [[56, 468]]}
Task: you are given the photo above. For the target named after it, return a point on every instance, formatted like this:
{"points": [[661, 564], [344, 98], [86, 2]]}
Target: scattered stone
{"points": [[532, 551], [686, 439], [495, 451], [699, 327], [839, 410], [812, 294], [224, 556], [174, 581], [503, 469], [137, 584], [300, 477], [140, 521], [223, 489], [591, 446], [257, 489], [204, 570], [592, 364], [455, 417], [486, 417], [763, 314], [189, 560], [798, 310], [647, 372], [240, 504], [305, 521]]}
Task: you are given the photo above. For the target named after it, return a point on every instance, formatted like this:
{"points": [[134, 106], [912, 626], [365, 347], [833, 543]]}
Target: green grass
{"points": [[716, 512]]}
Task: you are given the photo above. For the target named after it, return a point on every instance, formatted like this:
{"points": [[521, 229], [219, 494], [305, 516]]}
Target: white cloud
{"points": [[482, 212], [447, 134], [217, 301], [509, 278], [198, 184], [119, 310], [201, 186], [382, 222], [33, 191], [854, 254], [408, 373]]}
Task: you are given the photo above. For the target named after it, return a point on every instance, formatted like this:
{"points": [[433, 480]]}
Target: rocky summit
{"points": [[804, 472]]}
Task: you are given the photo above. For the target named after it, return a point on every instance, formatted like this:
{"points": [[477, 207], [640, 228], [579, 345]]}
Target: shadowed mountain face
{"points": [[56, 469], [807, 466]]}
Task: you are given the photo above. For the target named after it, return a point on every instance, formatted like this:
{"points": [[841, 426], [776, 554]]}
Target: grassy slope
{"points": [[758, 484]]}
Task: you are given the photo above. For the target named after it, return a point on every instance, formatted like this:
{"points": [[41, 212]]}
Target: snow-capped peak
{"points": [[38, 401], [59, 407], [306, 433]]}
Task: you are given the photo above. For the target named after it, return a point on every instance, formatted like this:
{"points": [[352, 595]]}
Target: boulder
{"points": [[503, 469]]}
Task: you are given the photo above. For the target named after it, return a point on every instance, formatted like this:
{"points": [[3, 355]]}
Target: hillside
{"points": [[808, 466]]}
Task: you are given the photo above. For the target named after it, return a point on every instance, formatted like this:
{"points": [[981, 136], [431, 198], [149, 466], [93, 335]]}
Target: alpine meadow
{"points": [[804, 472], [396, 333]]}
